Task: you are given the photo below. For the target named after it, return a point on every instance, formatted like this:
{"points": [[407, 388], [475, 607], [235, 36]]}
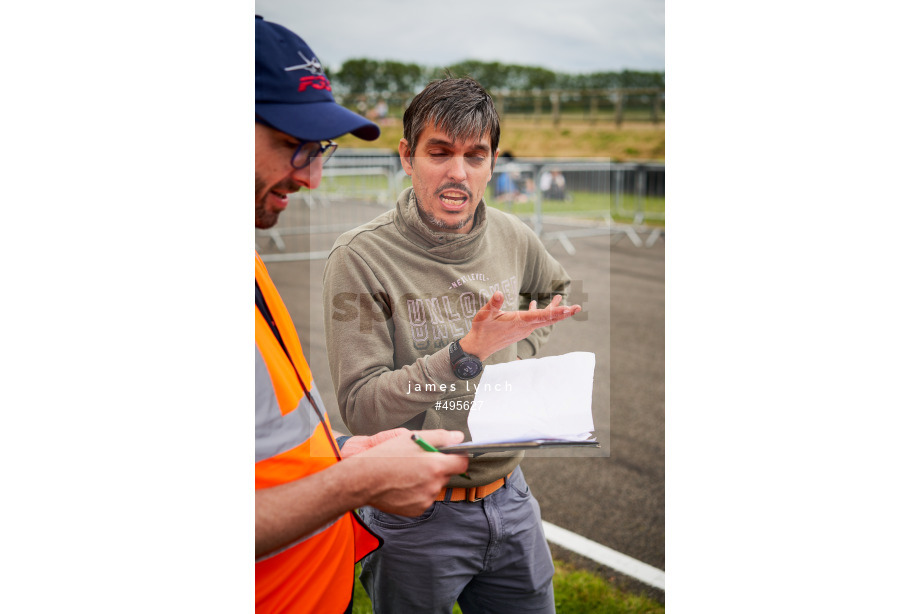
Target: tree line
{"points": [[369, 77]]}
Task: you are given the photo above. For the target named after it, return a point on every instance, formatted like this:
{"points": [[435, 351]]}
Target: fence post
{"points": [[554, 98], [393, 180], [537, 201], [656, 107], [640, 195], [621, 95]]}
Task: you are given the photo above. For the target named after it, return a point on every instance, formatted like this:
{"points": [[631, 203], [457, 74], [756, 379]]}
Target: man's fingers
{"points": [[493, 308], [441, 437], [551, 313], [382, 436], [458, 463], [561, 313]]}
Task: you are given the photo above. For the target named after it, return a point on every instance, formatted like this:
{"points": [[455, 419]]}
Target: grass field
{"points": [[573, 138], [591, 205]]}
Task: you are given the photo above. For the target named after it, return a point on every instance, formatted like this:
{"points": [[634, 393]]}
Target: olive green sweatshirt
{"points": [[396, 294]]}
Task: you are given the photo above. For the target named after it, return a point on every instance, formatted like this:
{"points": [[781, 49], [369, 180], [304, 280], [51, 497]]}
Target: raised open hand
{"points": [[494, 329]]}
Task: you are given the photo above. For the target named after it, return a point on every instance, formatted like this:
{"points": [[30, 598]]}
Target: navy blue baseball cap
{"points": [[293, 94]]}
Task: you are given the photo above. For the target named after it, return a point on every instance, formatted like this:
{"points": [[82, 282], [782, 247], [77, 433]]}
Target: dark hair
{"points": [[459, 106]]}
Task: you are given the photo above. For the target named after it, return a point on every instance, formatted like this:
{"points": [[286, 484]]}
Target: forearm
{"points": [[287, 513], [392, 474], [387, 398]]}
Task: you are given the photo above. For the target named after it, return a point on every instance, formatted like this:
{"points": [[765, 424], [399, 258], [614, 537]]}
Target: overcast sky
{"points": [[585, 36]]}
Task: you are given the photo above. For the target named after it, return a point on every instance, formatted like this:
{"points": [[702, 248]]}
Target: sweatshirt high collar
{"points": [[449, 246]]}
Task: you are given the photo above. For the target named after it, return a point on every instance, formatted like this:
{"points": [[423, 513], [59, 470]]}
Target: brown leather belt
{"points": [[476, 493]]}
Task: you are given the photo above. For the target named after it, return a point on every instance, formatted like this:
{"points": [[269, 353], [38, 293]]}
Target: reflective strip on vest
{"points": [[277, 432]]}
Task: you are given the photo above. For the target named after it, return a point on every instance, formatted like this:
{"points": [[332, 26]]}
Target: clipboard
{"points": [[507, 446]]}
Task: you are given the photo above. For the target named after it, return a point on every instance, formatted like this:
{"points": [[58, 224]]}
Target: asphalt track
{"points": [[617, 496]]}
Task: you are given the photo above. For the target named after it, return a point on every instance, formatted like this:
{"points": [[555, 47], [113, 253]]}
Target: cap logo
{"points": [[318, 83], [312, 65]]}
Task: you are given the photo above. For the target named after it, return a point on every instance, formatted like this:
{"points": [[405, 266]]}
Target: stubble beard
{"points": [[443, 224], [435, 222], [264, 217]]}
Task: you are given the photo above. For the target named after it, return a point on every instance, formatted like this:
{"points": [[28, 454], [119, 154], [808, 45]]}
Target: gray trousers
{"points": [[489, 556]]}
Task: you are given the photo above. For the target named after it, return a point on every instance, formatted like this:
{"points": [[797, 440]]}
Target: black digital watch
{"points": [[465, 366]]}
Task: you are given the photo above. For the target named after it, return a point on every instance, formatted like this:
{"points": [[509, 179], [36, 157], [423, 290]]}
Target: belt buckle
{"points": [[471, 495]]}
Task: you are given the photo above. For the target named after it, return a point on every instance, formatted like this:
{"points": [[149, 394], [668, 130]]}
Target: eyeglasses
{"points": [[308, 151]]}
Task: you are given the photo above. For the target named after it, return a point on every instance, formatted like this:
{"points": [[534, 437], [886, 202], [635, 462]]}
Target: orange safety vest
{"points": [[315, 574]]}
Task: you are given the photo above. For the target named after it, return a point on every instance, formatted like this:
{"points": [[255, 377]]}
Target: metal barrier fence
{"points": [[594, 197]]}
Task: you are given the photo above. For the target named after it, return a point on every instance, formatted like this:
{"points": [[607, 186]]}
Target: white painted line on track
{"points": [[604, 555]]}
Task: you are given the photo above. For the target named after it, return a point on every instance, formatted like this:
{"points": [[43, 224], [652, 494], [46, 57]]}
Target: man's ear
{"points": [[404, 156]]}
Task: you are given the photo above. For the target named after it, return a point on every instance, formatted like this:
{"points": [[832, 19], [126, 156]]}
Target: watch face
{"points": [[465, 366], [468, 368]]}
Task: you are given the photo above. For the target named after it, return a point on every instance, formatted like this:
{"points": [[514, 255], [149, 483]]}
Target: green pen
{"points": [[424, 445]]}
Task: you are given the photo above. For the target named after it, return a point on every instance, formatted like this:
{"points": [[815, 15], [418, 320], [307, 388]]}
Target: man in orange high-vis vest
{"points": [[307, 538]]}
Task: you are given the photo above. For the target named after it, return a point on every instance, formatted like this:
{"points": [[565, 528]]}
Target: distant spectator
{"points": [[552, 185], [507, 186]]}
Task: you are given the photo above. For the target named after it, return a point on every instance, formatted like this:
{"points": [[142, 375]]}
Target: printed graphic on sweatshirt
{"points": [[437, 321], [433, 321]]}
